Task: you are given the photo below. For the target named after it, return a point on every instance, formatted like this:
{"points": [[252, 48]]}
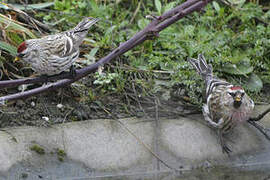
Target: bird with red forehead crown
{"points": [[226, 105], [56, 53]]}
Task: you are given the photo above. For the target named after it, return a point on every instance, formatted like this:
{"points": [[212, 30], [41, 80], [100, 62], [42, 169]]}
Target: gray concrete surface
{"points": [[104, 148]]}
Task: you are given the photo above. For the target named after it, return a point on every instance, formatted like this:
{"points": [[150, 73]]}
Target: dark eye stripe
{"points": [[26, 55]]}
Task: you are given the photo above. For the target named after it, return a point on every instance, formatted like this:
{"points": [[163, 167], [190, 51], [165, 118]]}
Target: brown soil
{"points": [[73, 104], [68, 104]]}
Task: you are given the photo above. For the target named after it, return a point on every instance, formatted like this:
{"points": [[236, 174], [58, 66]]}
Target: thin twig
{"points": [[138, 139], [261, 128], [137, 98], [157, 131], [260, 116], [145, 145], [136, 12]]}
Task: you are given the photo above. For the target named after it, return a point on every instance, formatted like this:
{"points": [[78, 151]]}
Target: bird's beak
{"points": [[18, 57], [237, 98]]}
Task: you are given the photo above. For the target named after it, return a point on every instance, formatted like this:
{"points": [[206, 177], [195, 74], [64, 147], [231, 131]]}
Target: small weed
{"points": [[61, 154], [37, 149]]}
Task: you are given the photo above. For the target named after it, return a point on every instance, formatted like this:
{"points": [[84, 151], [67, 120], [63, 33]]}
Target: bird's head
{"points": [[26, 50], [236, 95], [21, 51]]}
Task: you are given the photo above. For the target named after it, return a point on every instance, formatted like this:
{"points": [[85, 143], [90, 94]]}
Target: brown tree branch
{"points": [[151, 30]]}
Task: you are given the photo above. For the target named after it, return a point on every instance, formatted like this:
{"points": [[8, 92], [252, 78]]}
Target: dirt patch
{"points": [[72, 104]]}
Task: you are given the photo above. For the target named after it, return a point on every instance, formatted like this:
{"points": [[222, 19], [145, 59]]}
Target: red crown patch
{"points": [[236, 88], [21, 47]]}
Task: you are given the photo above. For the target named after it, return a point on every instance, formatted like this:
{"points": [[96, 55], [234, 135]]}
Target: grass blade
{"points": [[9, 48], [14, 25]]}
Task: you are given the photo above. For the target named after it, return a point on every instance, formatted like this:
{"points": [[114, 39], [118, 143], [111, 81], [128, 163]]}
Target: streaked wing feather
{"points": [[63, 47]]}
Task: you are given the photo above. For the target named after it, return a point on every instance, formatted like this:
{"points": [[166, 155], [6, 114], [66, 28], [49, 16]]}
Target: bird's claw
{"points": [[72, 71], [226, 149], [45, 77]]}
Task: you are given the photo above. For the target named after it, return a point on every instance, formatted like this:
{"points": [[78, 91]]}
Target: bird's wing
{"points": [[58, 45]]}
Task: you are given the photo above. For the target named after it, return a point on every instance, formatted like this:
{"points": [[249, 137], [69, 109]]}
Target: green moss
{"points": [[61, 154], [37, 149], [24, 175], [61, 159], [74, 118]]}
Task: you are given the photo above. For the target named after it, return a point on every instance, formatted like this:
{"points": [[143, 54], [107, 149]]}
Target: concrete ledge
{"points": [[98, 147]]}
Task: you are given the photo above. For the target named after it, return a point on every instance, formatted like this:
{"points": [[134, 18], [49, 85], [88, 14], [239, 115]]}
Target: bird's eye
{"points": [[242, 94], [21, 55], [232, 94]]}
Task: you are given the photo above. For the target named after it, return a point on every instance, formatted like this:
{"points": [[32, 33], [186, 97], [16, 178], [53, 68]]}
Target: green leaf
{"points": [[158, 6], [110, 30], [29, 6], [169, 6], [237, 69], [142, 23], [254, 83], [189, 30], [216, 6], [11, 24], [58, 5], [93, 4], [9, 48], [237, 2], [90, 57], [93, 51]]}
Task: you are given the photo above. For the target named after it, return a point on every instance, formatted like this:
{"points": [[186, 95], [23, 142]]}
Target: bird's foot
{"points": [[226, 149], [45, 77], [72, 71], [224, 146]]}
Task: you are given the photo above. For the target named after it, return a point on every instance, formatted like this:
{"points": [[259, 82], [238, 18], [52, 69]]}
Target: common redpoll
{"points": [[226, 105], [56, 53]]}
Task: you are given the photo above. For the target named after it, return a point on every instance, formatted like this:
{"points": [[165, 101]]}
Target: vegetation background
{"points": [[235, 39]]}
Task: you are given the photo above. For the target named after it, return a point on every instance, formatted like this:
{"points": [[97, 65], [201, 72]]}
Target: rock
{"points": [[33, 104], [60, 106], [45, 118], [20, 103]]}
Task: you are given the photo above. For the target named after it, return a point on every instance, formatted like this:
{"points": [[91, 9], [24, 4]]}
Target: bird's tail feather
{"points": [[85, 24], [202, 68]]}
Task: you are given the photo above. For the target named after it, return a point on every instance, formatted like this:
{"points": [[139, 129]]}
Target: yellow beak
{"points": [[16, 59], [237, 99]]}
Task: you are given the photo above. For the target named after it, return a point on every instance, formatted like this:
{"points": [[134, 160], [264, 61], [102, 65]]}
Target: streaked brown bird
{"points": [[56, 53], [226, 105]]}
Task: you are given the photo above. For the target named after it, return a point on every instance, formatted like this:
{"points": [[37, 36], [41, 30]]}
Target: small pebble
{"points": [[33, 104], [60, 106], [20, 103], [45, 118], [24, 175], [23, 87], [206, 164]]}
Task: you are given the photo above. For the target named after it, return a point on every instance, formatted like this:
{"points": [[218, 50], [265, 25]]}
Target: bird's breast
{"points": [[239, 116]]}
